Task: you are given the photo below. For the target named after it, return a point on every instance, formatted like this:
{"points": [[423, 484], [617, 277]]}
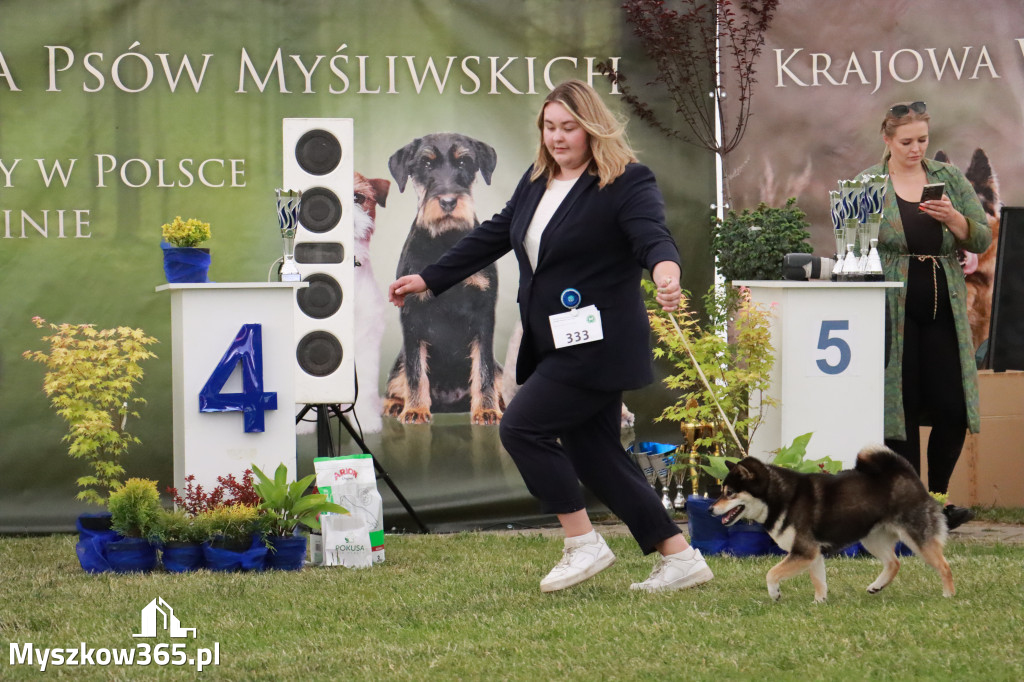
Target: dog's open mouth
{"points": [[733, 515]]}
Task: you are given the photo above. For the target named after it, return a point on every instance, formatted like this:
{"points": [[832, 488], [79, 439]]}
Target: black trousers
{"points": [[560, 436], [932, 382]]}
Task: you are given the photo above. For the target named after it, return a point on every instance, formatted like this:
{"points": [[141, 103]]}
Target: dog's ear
{"points": [[984, 181], [380, 189], [400, 161], [730, 465], [942, 156], [743, 471], [486, 159]]}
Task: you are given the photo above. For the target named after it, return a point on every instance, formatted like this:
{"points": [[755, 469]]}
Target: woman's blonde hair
{"points": [[606, 134], [891, 122]]}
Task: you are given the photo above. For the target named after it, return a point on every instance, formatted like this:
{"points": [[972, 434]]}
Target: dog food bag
{"points": [[346, 540], [350, 481]]}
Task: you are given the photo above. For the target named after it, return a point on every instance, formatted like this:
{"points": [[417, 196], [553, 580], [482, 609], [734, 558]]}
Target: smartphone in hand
{"points": [[933, 192]]}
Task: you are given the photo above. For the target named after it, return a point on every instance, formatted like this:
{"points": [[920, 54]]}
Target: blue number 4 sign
{"points": [[247, 350]]}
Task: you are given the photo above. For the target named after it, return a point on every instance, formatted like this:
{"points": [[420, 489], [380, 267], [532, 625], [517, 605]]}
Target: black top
{"points": [[924, 279], [923, 232]]}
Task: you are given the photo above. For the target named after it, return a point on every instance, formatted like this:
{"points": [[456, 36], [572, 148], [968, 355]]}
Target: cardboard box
{"points": [[990, 470]]}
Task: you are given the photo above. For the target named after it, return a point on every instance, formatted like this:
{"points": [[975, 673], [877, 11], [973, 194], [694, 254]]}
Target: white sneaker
{"points": [[676, 573], [583, 557]]}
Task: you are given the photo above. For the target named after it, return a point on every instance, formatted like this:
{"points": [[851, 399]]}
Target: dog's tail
{"points": [[878, 460]]}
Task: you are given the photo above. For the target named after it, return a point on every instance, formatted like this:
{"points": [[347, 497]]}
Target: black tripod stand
{"points": [[325, 448]]}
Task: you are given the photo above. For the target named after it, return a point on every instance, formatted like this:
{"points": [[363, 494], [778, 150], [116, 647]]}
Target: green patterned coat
{"points": [[892, 247]]}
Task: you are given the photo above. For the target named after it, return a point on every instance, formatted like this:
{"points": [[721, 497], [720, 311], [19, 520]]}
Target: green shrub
{"points": [[134, 508], [178, 526], [231, 523], [750, 245]]}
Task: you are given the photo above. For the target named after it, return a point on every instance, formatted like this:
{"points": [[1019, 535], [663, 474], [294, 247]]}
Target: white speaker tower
{"points": [[318, 162]]}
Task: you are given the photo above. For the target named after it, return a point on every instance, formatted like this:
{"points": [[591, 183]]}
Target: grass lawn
{"points": [[468, 607]]}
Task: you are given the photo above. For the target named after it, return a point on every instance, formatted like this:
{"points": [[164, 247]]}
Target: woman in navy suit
{"points": [[584, 222]]}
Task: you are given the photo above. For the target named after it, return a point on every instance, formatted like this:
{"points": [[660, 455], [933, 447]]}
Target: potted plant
{"points": [[91, 378], [717, 373], [180, 536], [721, 363], [134, 509], [233, 541], [751, 245], [286, 506], [184, 260]]}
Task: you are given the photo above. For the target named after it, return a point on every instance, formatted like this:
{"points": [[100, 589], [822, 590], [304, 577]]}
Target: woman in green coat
{"points": [[930, 370]]}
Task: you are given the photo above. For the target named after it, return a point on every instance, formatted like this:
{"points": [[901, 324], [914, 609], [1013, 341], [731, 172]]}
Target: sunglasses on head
{"points": [[901, 110]]}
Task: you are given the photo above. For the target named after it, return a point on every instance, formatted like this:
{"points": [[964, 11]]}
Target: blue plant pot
{"points": [[747, 538], [287, 552], [131, 555], [181, 557], [252, 559], [854, 550], [184, 265], [706, 531], [94, 535]]}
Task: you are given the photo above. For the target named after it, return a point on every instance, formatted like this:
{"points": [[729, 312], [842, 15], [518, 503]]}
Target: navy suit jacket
{"points": [[598, 242]]}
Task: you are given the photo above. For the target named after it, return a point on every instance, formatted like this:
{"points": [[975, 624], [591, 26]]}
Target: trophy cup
{"points": [[871, 204], [873, 198], [835, 205], [851, 264], [287, 218], [873, 270], [850, 192]]}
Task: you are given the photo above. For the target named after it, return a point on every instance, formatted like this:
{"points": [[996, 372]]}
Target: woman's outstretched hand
{"points": [[403, 286]]}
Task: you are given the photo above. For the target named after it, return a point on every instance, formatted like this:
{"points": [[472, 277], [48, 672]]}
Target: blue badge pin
{"points": [[570, 298]]}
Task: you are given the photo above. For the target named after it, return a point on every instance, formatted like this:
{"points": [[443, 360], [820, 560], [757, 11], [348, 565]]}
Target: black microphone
{"points": [[804, 266]]}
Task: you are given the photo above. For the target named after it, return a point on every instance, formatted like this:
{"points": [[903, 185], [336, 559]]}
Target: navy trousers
{"points": [[560, 436]]}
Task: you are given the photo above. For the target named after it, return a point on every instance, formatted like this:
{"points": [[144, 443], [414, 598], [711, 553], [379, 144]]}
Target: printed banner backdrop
{"points": [[829, 72], [117, 116]]}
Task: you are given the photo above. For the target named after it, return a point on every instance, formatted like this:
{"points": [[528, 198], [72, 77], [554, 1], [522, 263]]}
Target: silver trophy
{"points": [[871, 204], [287, 218], [873, 270]]}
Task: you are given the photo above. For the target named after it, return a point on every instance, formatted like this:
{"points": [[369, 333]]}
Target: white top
{"points": [[553, 196]]}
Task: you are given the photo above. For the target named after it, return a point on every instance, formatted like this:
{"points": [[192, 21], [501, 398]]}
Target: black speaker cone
{"points": [[318, 353], [322, 298], [319, 209], [318, 152]]}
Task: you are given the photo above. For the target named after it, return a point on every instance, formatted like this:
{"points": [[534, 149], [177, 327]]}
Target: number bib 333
{"points": [[576, 327]]}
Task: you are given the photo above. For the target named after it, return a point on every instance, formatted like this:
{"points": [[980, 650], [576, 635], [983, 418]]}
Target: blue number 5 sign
{"points": [[247, 349], [826, 340]]}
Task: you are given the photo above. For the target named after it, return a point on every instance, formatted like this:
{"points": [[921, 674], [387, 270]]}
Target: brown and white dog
{"points": [[370, 308], [447, 362]]}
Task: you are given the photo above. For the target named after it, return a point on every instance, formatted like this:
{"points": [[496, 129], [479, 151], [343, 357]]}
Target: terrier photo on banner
{"points": [[446, 363]]}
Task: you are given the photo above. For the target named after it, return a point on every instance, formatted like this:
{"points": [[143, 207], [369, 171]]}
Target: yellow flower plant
{"points": [[186, 233]]}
